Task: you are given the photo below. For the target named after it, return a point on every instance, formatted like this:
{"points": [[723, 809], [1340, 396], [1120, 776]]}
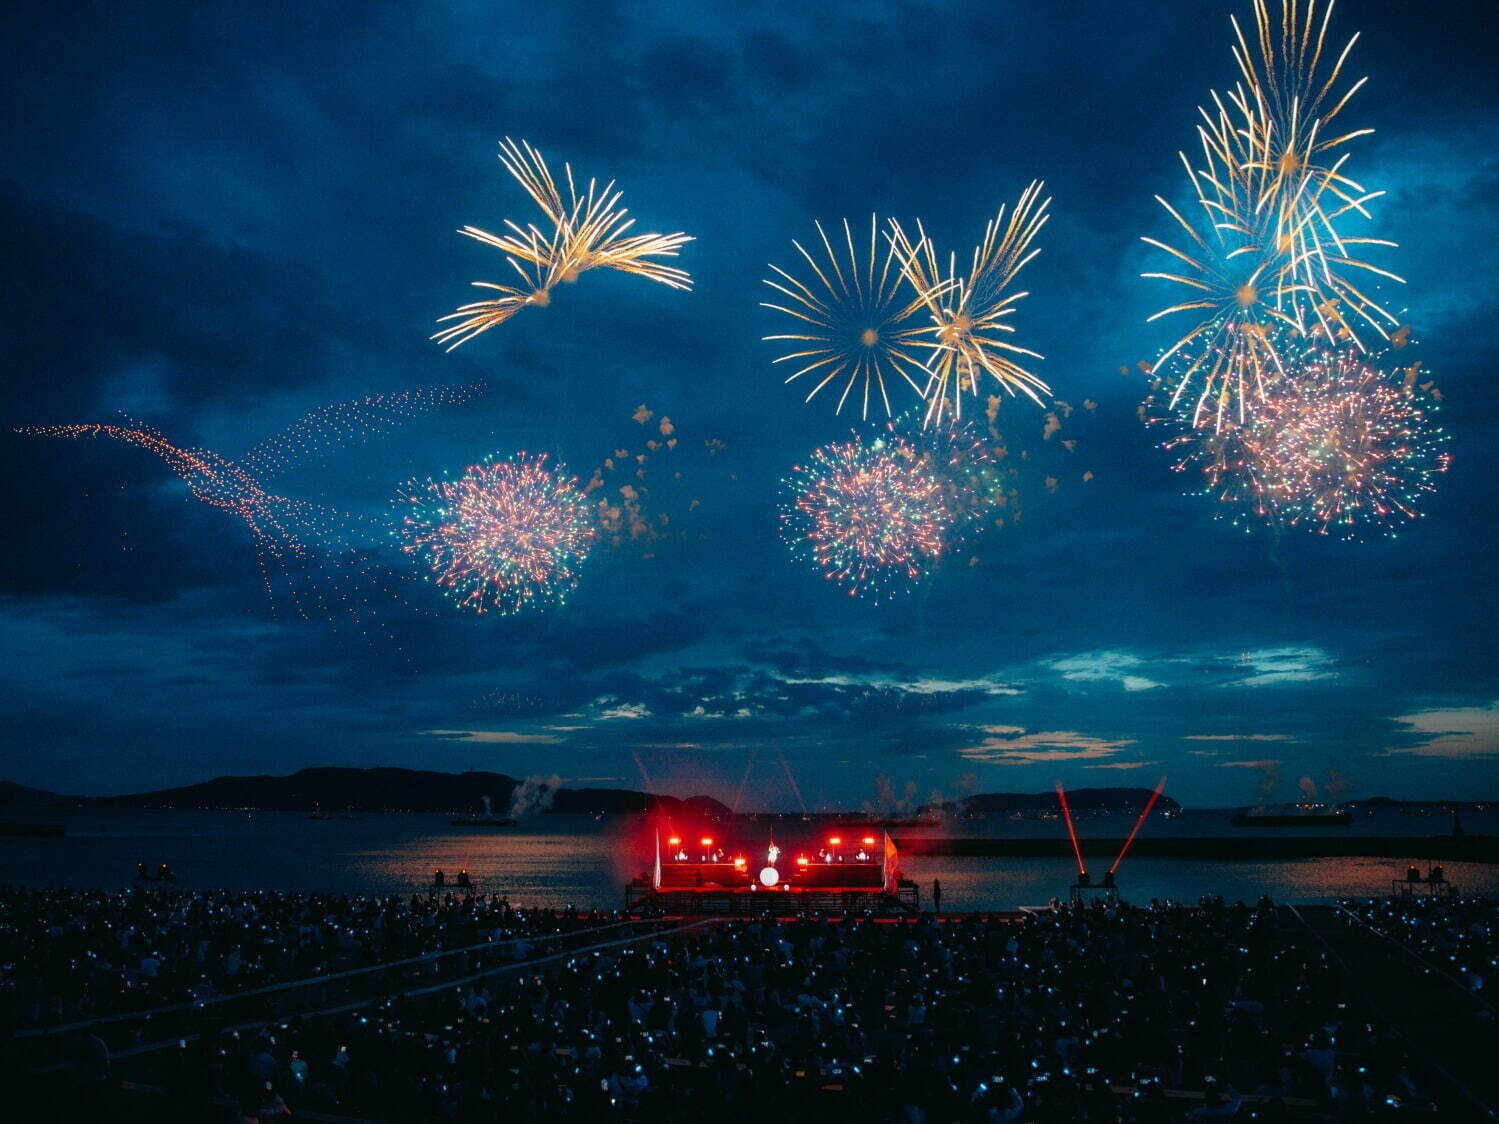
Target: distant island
{"points": [[390, 789], [1079, 799], [382, 789]]}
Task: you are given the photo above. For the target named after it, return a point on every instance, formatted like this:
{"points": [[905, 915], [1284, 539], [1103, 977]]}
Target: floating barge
{"points": [[1293, 815]]}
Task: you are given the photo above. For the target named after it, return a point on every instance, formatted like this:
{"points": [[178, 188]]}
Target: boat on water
{"points": [[1293, 815]]}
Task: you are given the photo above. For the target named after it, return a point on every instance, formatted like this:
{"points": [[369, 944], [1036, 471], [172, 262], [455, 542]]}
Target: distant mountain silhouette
{"points": [[334, 788], [21, 796], [1080, 800]]}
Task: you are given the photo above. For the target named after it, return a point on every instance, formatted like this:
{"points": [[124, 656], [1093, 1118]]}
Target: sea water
{"points": [[557, 860]]}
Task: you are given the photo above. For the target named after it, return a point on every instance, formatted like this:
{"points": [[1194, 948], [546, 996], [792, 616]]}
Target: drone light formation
{"points": [[588, 229], [332, 427], [290, 536], [857, 322], [508, 535], [324, 561]]}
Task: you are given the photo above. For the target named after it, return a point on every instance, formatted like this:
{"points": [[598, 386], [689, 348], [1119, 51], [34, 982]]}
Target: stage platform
{"points": [[701, 875]]}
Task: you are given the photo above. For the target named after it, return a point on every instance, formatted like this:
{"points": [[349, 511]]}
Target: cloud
{"points": [[1456, 733], [1237, 738], [1121, 765], [1107, 667], [612, 708], [1011, 745], [1270, 666], [1264, 763], [494, 737], [917, 685]]}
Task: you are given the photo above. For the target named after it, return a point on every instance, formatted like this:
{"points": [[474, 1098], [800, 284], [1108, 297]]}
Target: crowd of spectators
{"points": [[1106, 1013], [68, 956], [1460, 936]]}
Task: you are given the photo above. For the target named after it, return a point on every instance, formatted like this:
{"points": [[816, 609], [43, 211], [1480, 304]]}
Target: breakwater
{"points": [[1443, 848]]}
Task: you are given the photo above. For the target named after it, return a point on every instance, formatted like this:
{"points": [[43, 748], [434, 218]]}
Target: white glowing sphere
{"points": [[769, 876]]}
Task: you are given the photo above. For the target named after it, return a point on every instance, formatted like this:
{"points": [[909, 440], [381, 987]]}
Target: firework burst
{"points": [[589, 229], [974, 483], [1339, 446], [1235, 291], [970, 329], [506, 535], [1292, 154], [1265, 254], [872, 517], [854, 316]]}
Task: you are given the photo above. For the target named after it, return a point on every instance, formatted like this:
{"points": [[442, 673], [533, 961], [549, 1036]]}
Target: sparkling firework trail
{"points": [[969, 314], [589, 230], [872, 517], [854, 318], [506, 535], [1339, 447]]}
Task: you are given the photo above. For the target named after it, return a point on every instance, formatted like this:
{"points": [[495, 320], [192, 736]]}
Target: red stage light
{"points": [[834, 840], [674, 841], [801, 860], [869, 841], [740, 863], [706, 841]]}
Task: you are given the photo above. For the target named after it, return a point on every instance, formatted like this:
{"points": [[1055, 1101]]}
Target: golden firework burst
{"points": [[1267, 253], [1293, 154], [970, 313], [589, 230], [856, 318], [1236, 290]]}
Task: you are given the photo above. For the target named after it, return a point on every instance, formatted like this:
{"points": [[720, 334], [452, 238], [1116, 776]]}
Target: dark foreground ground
{"points": [[171, 1005]]}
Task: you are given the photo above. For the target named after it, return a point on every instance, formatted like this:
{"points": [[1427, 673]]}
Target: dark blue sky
{"points": [[218, 217]]}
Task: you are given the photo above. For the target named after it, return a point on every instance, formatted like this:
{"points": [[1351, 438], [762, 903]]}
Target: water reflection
{"points": [[557, 860]]}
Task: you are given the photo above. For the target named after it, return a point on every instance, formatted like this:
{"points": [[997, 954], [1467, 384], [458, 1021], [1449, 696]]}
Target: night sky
{"points": [[218, 217]]}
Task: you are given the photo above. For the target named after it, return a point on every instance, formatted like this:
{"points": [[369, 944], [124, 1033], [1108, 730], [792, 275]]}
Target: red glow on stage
{"points": [[869, 841], [674, 841], [714, 877]]}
